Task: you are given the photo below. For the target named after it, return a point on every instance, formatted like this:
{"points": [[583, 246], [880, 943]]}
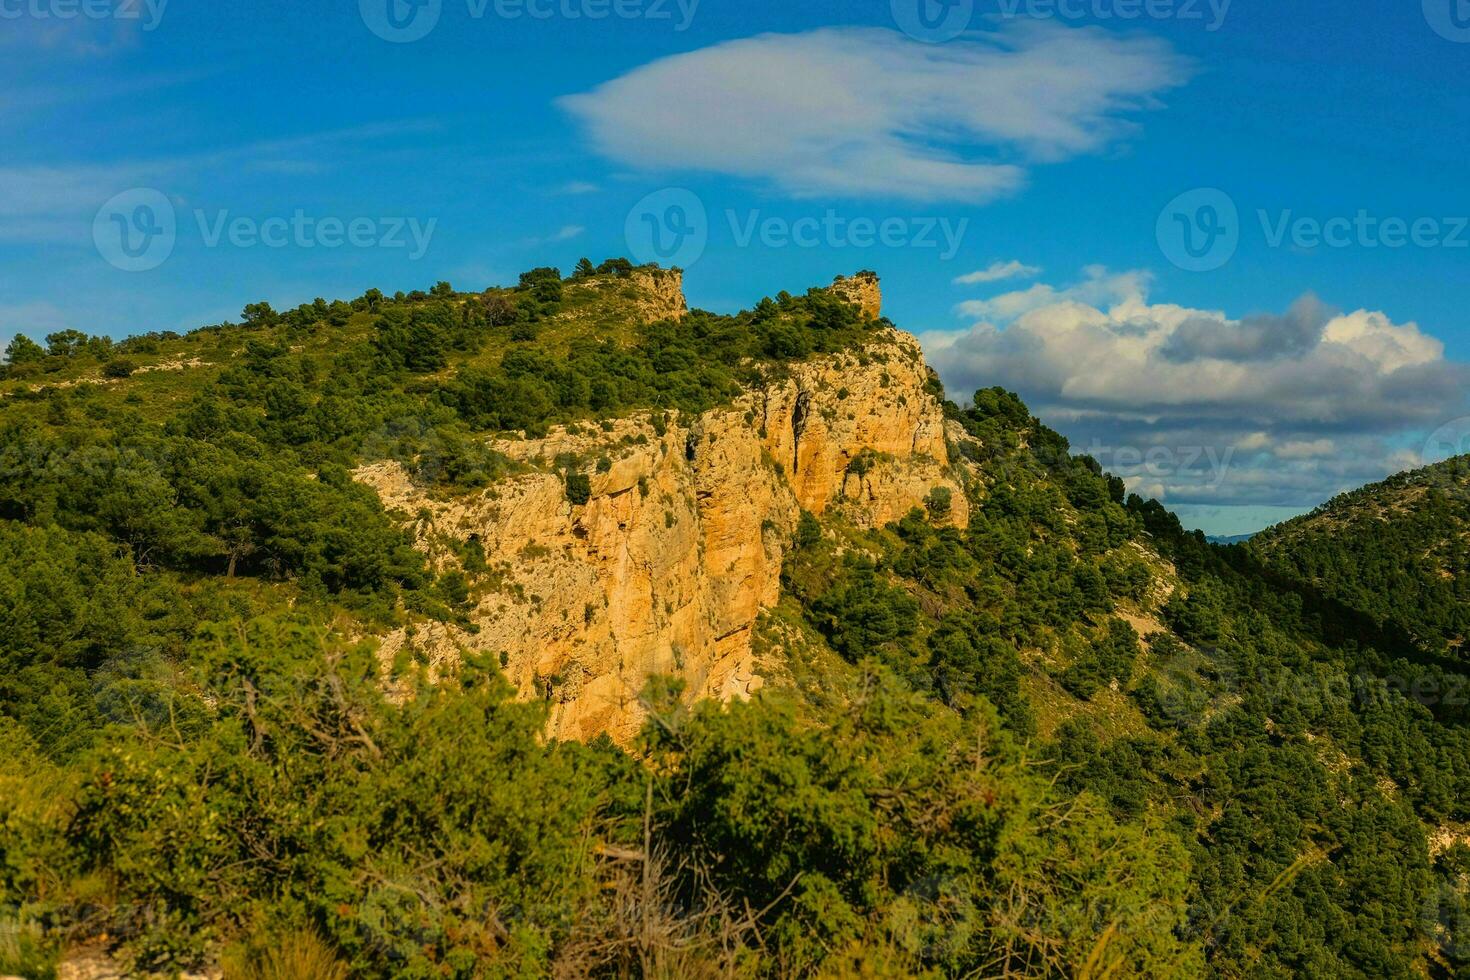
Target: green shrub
{"points": [[25, 950], [579, 488]]}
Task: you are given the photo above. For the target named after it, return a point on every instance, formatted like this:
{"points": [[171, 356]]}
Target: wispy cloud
{"points": [[997, 271], [53, 203], [869, 112], [80, 36], [563, 234]]}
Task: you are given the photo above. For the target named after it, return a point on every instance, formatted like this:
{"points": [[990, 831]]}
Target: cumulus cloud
{"points": [[996, 271], [1195, 406], [870, 112], [1256, 337]]}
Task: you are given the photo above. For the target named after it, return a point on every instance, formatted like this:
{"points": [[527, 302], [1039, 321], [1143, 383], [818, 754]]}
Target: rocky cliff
{"points": [[650, 294], [863, 291], [678, 548]]}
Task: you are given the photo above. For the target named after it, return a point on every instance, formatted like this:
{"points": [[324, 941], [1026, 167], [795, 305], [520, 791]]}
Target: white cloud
{"points": [[578, 187], [1196, 406], [1014, 269], [1254, 441], [1097, 288], [870, 112]]}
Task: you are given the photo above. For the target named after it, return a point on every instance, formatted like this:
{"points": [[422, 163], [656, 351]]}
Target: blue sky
{"points": [[1055, 156]]}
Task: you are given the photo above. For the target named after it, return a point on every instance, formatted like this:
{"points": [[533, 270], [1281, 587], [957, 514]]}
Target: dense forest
{"points": [[1067, 739], [1396, 550]]}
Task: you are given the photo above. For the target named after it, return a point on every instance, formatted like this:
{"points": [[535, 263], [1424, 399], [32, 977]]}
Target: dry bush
{"points": [[661, 919]]}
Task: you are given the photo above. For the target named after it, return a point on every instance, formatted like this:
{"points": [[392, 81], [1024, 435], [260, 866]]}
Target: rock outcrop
{"points": [[677, 550], [650, 294], [661, 294], [863, 291]]}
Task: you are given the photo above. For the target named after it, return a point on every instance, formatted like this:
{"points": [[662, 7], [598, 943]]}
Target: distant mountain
{"points": [[1230, 539]]}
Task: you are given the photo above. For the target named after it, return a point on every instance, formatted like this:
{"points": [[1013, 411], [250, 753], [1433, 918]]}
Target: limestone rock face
{"points": [[666, 567], [661, 294], [863, 291], [650, 294]]}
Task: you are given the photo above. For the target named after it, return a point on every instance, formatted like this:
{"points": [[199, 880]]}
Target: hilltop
{"points": [[1398, 550]]}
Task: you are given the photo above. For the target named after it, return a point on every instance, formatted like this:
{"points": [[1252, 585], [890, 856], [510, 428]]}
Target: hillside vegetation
{"points": [[1398, 550], [1066, 739]]}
